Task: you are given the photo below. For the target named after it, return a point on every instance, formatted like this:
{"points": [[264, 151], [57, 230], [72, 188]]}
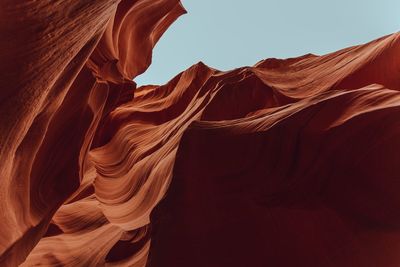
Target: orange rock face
{"points": [[287, 163], [65, 66]]}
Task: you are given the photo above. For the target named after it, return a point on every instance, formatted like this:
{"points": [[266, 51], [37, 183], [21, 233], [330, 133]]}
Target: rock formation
{"points": [[286, 163]]}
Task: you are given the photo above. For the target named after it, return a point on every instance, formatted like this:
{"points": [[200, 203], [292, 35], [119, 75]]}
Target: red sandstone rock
{"points": [[65, 64], [287, 163]]}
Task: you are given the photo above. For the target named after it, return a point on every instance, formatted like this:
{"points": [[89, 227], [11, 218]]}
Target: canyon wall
{"points": [[288, 162]]}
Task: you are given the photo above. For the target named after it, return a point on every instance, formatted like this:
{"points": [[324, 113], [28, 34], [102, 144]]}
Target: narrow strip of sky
{"points": [[226, 34]]}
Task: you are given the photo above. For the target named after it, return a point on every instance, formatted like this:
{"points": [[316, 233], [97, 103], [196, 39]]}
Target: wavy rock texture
{"points": [[287, 163], [65, 66]]}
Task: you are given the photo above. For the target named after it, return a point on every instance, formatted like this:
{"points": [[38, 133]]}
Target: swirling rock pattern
{"points": [[286, 163], [65, 66]]}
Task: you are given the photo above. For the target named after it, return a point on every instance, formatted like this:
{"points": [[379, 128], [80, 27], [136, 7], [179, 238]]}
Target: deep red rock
{"points": [[287, 163]]}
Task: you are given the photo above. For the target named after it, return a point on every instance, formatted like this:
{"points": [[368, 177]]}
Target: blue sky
{"points": [[226, 34]]}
